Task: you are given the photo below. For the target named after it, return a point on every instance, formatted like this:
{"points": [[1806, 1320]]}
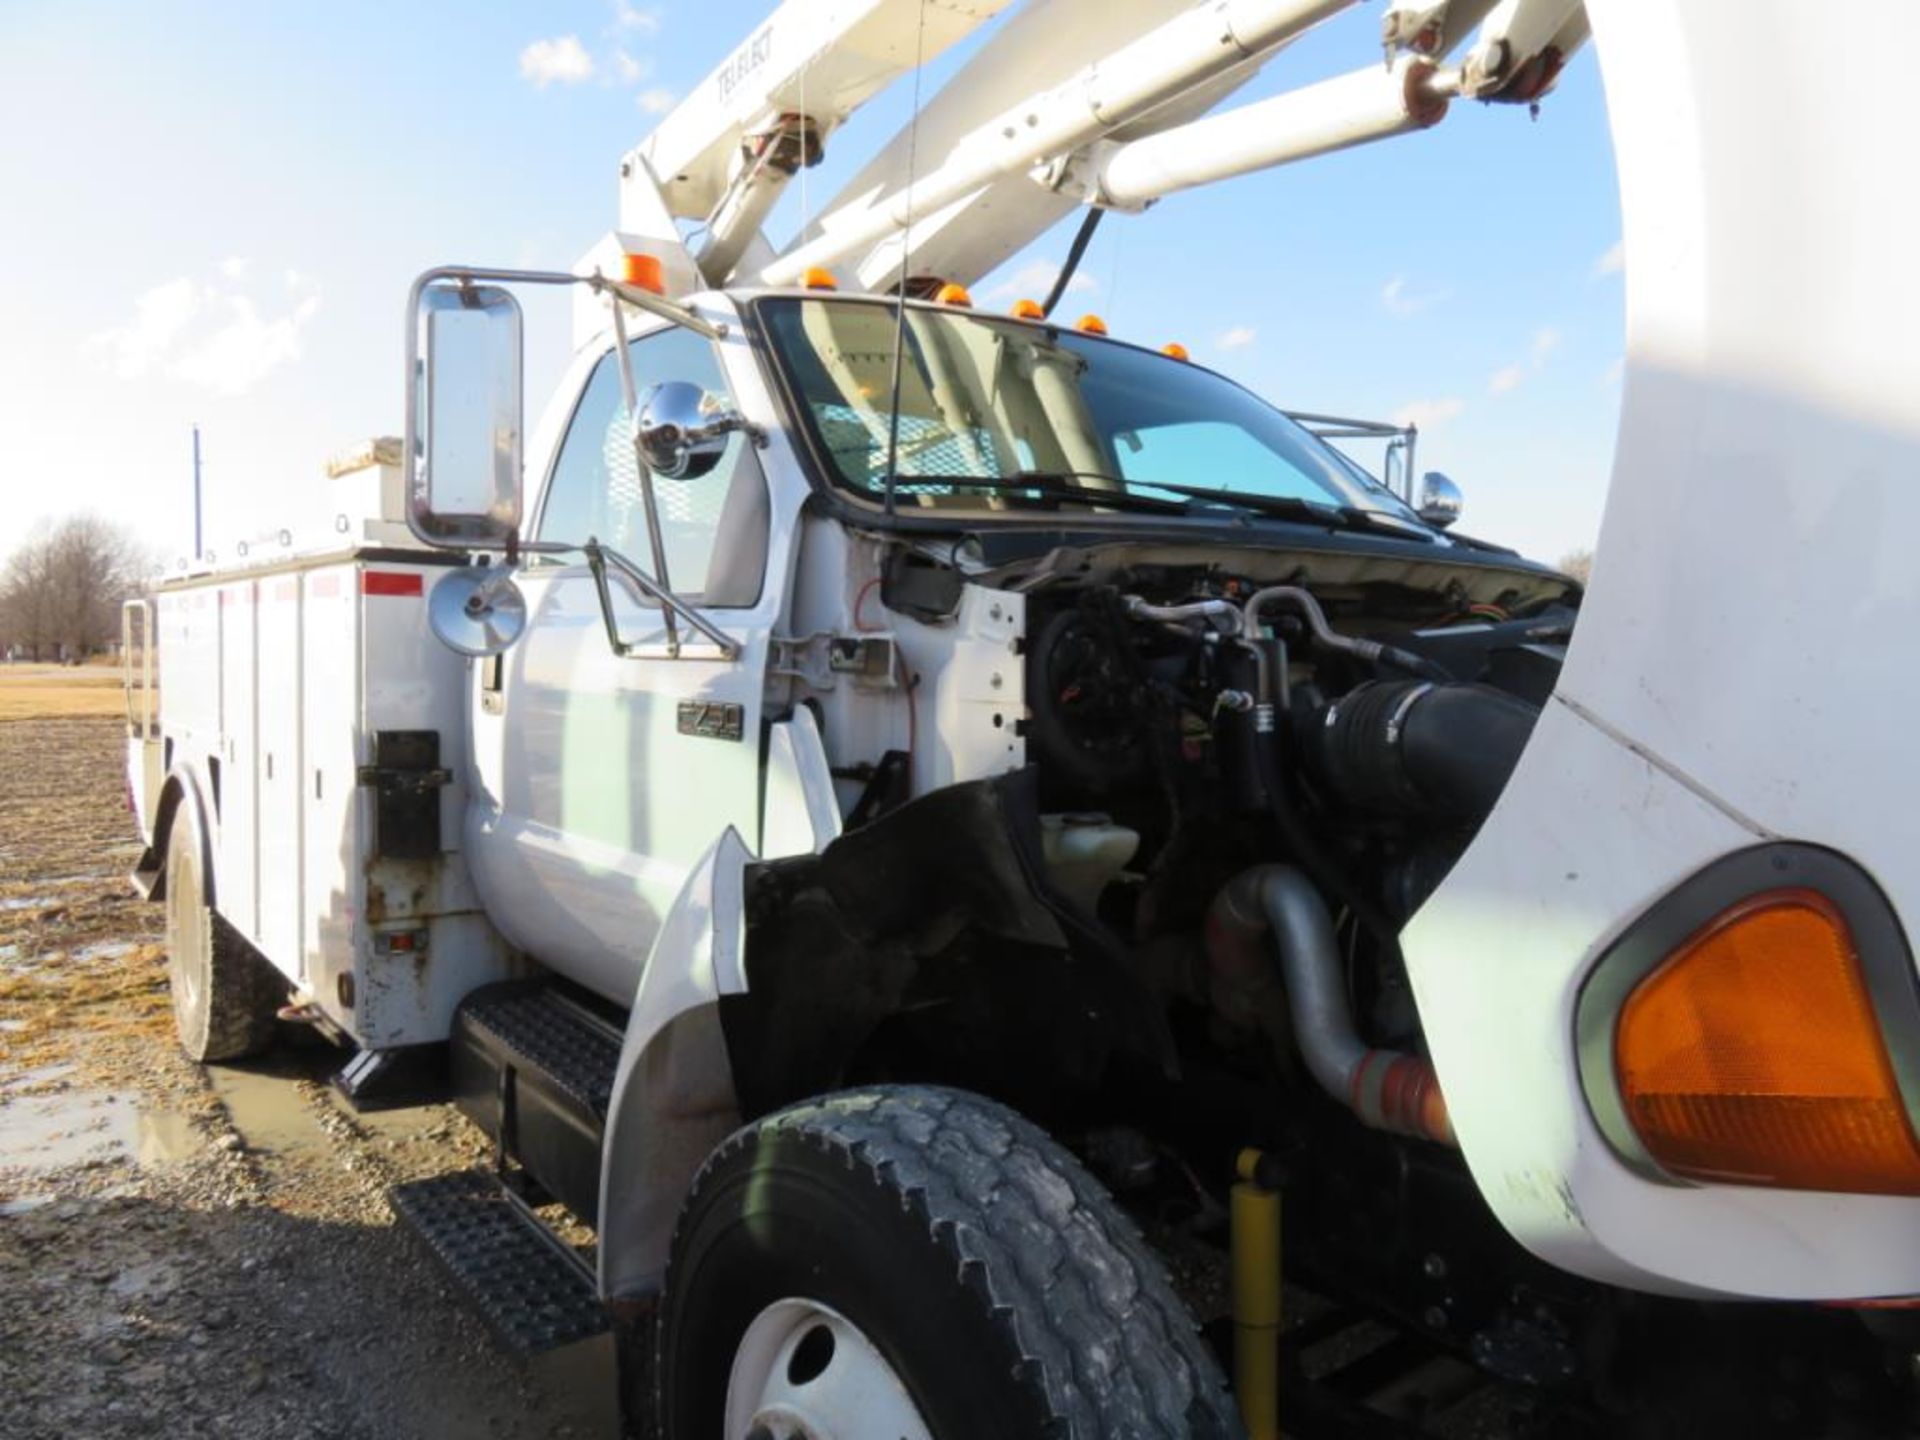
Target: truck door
{"points": [[603, 778]]}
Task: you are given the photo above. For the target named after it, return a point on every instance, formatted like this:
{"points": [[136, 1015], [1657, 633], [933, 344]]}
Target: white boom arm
{"points": [[1035, 126], [724, 154]]}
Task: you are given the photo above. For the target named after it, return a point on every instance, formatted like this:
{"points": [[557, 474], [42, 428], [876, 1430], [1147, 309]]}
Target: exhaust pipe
{"points": [[1387, 1089]]}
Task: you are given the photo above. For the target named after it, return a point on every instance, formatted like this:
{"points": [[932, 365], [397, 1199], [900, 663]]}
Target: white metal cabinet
{"points": [[277, 769], [328, 794], [236, 797]]}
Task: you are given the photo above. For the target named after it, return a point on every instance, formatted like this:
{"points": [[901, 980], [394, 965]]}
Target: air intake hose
{"points": [[1414, 748]]}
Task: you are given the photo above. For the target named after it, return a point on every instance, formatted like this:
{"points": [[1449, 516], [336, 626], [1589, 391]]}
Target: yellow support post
{"points": [[1255, 1221]]}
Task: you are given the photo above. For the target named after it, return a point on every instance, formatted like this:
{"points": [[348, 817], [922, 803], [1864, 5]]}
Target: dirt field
{"points": [[198, 1253]]}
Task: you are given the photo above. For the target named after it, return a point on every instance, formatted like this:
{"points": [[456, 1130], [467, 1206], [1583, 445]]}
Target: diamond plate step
{"points": [[532, 1291], [576, 1050]]}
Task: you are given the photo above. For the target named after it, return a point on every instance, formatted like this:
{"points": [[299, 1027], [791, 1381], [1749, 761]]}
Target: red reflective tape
{"points": [[389, 582]]}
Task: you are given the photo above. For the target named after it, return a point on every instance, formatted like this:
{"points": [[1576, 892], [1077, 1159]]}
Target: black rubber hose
{"points": [[1326, 872], [1416, 664], [1074, 254]]}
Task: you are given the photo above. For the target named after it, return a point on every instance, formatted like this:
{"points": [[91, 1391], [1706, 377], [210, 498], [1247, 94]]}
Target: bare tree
{"points": [[1578, 564], [60, 592]]}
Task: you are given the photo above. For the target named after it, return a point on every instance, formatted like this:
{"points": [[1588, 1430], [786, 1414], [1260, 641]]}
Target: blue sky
{"points": [[212, 213]]}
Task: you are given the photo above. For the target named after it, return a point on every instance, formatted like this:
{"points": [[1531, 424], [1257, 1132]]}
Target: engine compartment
{"points": [[1224, 721]]}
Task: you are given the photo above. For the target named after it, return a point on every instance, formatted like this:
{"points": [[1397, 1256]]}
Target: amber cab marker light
{"points": [[643, 272], [816, 278], [1027, 310], [952, 294], [1176, 350], [1752, 1056], [1092, 325]]}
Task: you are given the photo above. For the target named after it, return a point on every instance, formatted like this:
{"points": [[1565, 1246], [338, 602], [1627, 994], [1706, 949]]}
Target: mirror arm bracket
{"points": [[597, 563], [599, 557], [655, 305]]}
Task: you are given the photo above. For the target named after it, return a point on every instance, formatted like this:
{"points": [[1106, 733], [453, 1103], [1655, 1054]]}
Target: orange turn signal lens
{"points": [[1092, 325], [818, 279], [1175, 349], [952, 294], [644, 272], [1027, 310], [1752, 1055]]}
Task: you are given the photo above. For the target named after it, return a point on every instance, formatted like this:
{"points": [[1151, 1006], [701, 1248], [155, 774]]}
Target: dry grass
{"points": [[43, 692]]}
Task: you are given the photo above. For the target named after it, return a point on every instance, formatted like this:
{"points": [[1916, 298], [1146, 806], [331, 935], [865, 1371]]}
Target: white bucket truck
{"points": [[911, 817]]}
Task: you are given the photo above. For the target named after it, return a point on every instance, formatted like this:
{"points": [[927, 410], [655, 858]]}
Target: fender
{"points": [[182, 787], [673, 1094]]}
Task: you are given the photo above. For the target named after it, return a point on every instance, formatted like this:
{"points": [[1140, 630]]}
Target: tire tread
{"points": [[1097, 1333], [240, 991]]}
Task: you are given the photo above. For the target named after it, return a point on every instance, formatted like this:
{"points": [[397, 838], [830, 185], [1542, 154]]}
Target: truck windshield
{"points": [[991, 406]]}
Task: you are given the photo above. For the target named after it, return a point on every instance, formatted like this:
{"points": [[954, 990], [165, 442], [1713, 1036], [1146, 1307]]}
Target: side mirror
{"points": [[1440, 500], [478, 611], [683, 430], [463, 415]]}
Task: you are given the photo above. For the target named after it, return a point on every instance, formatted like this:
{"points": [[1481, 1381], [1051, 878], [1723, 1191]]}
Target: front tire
{"points": [[224, 995], [944, 1245]]}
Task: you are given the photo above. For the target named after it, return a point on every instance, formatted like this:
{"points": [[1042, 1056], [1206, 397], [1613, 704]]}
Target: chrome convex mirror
{"points": [[683, 430], [1440, 500], [478, 611]]}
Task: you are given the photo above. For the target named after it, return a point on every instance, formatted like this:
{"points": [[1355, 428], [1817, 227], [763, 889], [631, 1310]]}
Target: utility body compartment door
{"points": [[278, 764]]}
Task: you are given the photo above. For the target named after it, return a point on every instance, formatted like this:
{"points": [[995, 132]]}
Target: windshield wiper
{"points": [[1062, 485], [1051, 485], [1292, 507]]}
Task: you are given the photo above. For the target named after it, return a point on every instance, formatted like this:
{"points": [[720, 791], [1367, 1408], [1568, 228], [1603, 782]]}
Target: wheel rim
{"points": [[803, 1371]]}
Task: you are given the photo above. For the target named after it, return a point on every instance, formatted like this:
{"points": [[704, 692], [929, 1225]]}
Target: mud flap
{"points": [[940, 909]]}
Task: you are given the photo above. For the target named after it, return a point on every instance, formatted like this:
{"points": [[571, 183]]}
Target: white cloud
{"points": [[560, 61], [643, 18], [1395, 300], [244, 348], [628, 70], [1034, 281], [159, 318], [1238, 338], [207, 335], [1429, 414], [1612, 262], [1545, 341], [655, 101], [234, 267]]}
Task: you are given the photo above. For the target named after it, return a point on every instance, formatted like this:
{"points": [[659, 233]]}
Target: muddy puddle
{"points": [[52, 1129], [285, 1107], [105, 950]]}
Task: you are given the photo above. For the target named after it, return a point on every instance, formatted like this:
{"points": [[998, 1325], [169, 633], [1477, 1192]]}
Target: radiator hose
{"points": [[1386, 1089]]}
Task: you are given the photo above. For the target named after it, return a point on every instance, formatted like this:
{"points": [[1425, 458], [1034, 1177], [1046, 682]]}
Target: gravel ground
{"points": [[204, 1253]]}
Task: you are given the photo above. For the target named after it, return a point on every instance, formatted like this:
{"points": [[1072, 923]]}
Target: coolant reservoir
{"points": [[1084, 853]]}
